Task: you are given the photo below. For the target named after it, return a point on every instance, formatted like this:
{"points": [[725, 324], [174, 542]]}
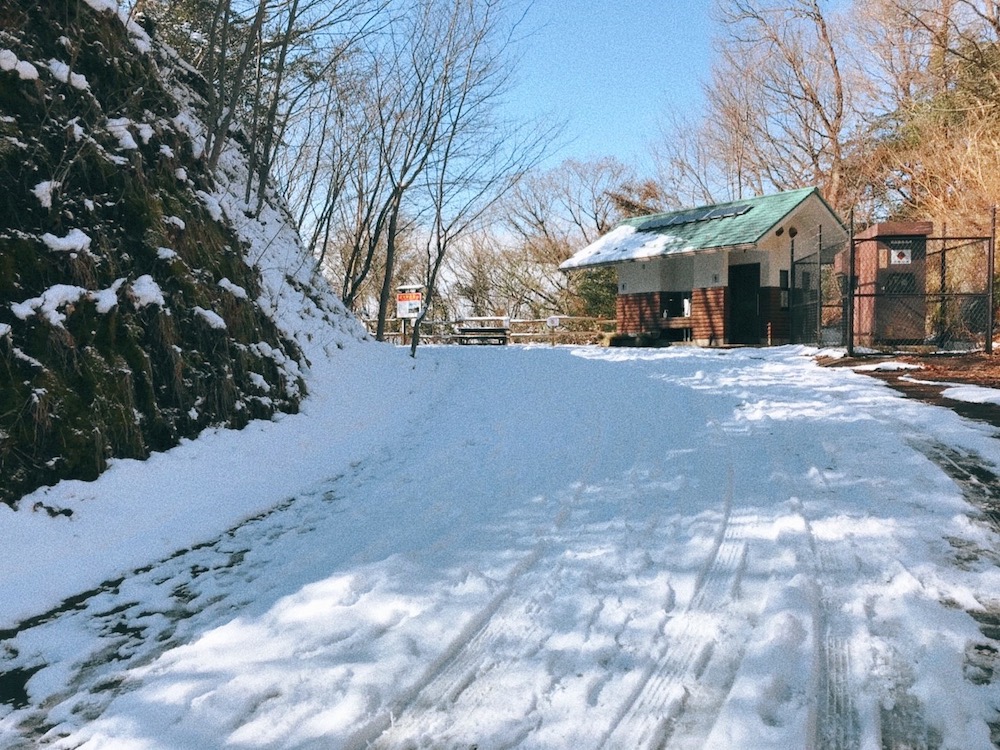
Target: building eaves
{"points": [[736, 223]]}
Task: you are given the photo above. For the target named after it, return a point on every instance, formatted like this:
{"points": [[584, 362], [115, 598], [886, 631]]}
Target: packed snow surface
{"points": [[539, 547]]}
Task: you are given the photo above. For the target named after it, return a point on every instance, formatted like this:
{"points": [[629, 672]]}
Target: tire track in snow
{"points": [[671, 683], [493, 642], [895, 718], [487, 651], [903, 725], [836, 718], [456, 667], [129, 622]]}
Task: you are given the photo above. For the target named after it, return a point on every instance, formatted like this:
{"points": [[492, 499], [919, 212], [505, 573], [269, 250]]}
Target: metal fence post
{"points": [[819, 289], [850, 289], [990, 274], [791, 292]]}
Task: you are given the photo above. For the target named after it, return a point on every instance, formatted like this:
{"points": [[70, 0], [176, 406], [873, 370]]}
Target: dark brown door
{"points": [[744, 304]]}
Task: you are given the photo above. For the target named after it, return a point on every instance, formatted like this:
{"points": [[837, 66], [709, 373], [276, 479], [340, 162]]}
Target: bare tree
{"points": [[513, 267], [305, 48], [933, 109], [778, 113], [416, 149]]}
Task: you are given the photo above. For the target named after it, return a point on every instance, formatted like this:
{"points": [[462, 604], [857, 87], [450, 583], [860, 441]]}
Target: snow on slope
{"points": [[525, 547], [297, 297], [119, 334]]}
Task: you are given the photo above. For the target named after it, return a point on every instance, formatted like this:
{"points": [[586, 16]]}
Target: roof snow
{"points": [[733, 224]]}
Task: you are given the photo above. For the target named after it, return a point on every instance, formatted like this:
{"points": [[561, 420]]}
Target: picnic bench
{"points": [[483, 335]]}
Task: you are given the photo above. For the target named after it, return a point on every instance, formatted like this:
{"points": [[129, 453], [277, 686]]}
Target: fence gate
{"points": [[895, 287], [817, 295]]}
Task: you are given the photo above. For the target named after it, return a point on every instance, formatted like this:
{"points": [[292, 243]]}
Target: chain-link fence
{"points": [[817, 308], [895, 292]]}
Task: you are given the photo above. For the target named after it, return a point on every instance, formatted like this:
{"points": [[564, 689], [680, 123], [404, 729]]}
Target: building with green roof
{"points": [[713, 275]]}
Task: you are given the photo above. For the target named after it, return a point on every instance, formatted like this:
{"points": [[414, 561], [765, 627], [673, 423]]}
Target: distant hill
{"points": [[139, 301]]}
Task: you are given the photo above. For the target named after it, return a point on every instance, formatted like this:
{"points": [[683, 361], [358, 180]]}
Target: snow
{"points": [[63, 73], [50, 304], [75, 241], [515, 546], [145, 291], [890, 366], [53, 302], [258, 380], [106, 299], [211, 204], [234, 289], [43, 191], [973, 394], [110, 6], [211, 317], [119, 128], [165, 253], [24, 69], [145, 131], [506, 546], [625, 243]]}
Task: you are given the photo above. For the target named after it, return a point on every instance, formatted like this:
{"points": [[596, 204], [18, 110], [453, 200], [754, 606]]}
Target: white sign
{"points": [[408, 304], [552, 321], [900, 257]]}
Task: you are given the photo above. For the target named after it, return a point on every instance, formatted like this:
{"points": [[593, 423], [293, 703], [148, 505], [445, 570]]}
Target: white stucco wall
{"points": [[640, 277], [677, 274], [710, 270]]}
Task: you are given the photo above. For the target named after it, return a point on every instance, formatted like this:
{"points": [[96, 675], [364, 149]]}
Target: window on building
{"points": [[676, 305]]}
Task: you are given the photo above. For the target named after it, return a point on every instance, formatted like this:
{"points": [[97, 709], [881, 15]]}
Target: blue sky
{"points": [[612, 70]]}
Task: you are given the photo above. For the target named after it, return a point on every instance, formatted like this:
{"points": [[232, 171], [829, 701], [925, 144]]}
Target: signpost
{"points": [[409, 304], [553, 323]]}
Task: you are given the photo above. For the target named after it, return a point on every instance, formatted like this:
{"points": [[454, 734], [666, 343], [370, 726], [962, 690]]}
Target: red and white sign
{"points": [[900, 257], [408, 304]]}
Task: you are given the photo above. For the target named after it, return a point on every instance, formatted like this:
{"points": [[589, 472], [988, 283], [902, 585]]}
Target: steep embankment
{"points": [[139, 303]]}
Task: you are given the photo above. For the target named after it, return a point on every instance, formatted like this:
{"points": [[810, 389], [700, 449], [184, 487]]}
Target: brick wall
{"points": [[638, 313], [708, 316]]}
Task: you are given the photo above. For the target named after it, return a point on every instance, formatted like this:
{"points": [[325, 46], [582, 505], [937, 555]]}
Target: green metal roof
{"points": [[737, 223]]}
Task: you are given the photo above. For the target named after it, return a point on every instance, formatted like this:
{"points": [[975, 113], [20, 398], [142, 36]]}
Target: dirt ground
{"points": [[937, 371]]}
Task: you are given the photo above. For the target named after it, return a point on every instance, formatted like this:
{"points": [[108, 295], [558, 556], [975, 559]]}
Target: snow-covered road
{"points": [[533, 547]]}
